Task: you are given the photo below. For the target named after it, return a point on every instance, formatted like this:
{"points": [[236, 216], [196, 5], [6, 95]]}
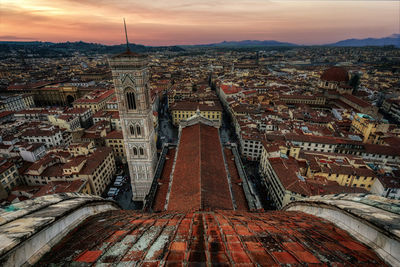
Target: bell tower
{"points": [[130, 76]]}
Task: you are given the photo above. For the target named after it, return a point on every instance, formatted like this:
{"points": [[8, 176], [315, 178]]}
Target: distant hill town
{"points": [[49, 48]]}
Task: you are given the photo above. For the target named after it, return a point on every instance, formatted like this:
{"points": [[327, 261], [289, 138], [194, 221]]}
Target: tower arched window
{"points": [[131, 100], [135, 152], [138, 130], [132, 129], [141, 151]]}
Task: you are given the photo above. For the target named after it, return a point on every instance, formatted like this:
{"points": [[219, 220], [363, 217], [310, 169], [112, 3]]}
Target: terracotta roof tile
{"points": [[237, 189], [199, 179], [212, 238], [336, 74], [163, 182]]}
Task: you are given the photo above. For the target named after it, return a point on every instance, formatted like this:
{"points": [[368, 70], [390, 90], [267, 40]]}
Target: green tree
{"points": [[355, 81]]}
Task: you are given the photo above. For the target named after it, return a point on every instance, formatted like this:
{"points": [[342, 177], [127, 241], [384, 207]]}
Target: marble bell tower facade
{"points": [[130, 76]]}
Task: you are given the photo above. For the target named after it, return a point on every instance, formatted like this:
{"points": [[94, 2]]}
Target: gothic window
{"points": [[135, 152], [131, 100], [138, 130], [141, 151], [132, 129]]}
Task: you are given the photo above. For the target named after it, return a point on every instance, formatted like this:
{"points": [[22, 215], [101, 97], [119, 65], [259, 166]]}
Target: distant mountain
{"points": [[393, 39], [66, 49], [249, 43]]}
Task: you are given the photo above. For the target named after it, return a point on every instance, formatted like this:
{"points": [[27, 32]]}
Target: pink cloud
{"points": [[181, 22]]}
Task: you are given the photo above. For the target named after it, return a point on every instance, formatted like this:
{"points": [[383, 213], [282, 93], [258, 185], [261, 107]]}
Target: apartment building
{"points": [[371, 129], [50, 136], [97, 167], [115, 140], [95, 100], [9, 176]]}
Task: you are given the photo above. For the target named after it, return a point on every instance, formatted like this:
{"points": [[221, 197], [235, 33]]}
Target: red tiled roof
{"points": [[115, 135], [163, 182], [39, 132], [228, 89], [193, 106], [95, 96], [390, 181], [199, 179], [313, 138], [237, 189], [60, 187], [335, 74], [106, 114], [76, 110], [381, 150], [218, 238], [95, 159], [357, 101], [5, 166], [5, 113]]}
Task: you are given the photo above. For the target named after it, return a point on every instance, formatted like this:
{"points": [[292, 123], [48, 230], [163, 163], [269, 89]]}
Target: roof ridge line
{"points": [[201, 186], [171, 175]]}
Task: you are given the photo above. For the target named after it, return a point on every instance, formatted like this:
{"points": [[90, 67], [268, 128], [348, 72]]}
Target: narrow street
{"points": [[251, 168], [124, 196], [227, 131], [167, 133], [228, 135]]}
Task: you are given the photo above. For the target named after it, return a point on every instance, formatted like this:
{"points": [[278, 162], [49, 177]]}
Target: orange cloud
{"points": [[161, 22]]}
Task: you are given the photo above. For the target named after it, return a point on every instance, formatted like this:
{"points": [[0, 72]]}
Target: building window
{"points": [[141, 151], [131, 100], [138, 130], [132, 129], [135, 152]]}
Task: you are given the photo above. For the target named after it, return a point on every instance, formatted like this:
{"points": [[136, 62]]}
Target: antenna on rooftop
{"points": [[126, 36]]}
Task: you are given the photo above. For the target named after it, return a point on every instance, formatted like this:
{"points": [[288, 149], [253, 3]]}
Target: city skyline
{"points": [[200, 22]]}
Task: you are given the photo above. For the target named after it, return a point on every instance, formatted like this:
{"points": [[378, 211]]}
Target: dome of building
{"points": [[335, 74], [82, 230]]}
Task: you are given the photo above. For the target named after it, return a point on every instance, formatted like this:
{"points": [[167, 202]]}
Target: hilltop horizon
{"points": [[243, 42]]}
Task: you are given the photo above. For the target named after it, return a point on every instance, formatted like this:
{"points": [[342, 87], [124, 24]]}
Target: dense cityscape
{"points": [[228, 131], [305, 121]]}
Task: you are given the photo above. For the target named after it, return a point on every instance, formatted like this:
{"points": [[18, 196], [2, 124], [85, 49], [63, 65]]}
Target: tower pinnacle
{"points": [[126, 36]]}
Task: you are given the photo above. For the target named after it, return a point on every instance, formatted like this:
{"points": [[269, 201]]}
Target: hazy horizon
{"points": [[124, 43], [179, 22]]}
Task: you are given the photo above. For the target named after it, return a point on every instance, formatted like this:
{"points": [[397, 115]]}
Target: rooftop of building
{"points": [[95, 96], [113, 114], [103, 234], [114, 135], [199, 179], [193, 106], [335, 74], [61, 187]]}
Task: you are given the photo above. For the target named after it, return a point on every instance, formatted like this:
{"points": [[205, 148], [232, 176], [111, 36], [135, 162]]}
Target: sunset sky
{"points": [[169, 22]]}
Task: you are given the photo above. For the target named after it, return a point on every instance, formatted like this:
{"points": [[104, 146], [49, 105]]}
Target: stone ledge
{"points": [[31, 227], [370, 224]]}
